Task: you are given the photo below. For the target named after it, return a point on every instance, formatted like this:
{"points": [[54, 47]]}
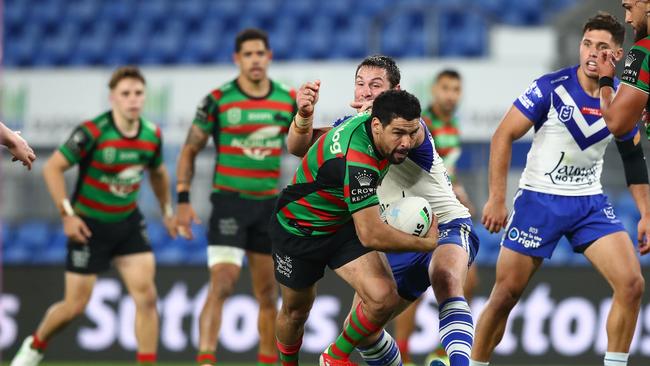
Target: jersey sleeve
{"points": [[535, 101], [360, 185], [207, 112], [157, 158], [635, 73], [80, 142]]}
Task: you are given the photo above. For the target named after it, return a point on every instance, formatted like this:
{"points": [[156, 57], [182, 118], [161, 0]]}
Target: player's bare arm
{"points": [[375, 234], [17, 146], [512, 127], [73, 226], [622, 109], [159, 179], [301, 131], [194, 143]]}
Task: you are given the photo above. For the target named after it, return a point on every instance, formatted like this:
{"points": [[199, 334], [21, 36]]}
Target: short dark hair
{"points": [[125, 72], [382, 62], [447, 73], [250, 34], [393, 104], [607, 22]]}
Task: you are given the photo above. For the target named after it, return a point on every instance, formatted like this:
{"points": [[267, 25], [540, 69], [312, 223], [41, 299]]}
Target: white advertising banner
{"points": [[46, 104]]}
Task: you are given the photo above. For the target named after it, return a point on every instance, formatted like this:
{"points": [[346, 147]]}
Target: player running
{"points": [[102, 220], [329, 216], [422, 174]]}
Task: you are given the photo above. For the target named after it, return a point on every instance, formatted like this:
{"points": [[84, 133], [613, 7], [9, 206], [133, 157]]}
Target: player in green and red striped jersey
{"points": [[329, 216], [623, 109], [102, 220], [248, 119]]}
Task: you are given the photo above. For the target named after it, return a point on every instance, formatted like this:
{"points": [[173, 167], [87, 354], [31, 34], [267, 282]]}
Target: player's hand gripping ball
{"points": [[411, 215]]}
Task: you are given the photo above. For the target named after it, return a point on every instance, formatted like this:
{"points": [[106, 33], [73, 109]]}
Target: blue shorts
{"points": [[411, 269], [539, 220]]}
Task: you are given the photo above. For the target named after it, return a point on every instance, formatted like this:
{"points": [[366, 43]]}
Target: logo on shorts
{"points": [[81, 256], [609, 212], [443, 234], [528, 239], [228, 226], [283, 265]]}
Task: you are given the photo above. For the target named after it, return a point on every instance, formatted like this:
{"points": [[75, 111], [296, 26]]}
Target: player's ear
{"points": [[398, 87], [235, 58], [376, 126], [270, 53], [618, 53]]}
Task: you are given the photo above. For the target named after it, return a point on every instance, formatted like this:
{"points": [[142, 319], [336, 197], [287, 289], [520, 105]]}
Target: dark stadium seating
{"points": [[45, 33]]}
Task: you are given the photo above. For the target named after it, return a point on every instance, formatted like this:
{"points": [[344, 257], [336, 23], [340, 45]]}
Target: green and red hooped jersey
{"points": [[446, 137], [636, 72], [249, 135], [338, 176], [110, 166]]}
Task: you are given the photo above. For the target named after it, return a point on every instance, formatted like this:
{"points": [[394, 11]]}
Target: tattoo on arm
{"points": [[196, 138]]}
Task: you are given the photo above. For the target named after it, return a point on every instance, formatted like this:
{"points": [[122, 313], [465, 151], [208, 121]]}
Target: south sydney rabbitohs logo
{"points": [[234, 115], [260, 143]]}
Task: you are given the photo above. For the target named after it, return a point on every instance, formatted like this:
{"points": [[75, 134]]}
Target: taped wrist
{"points": [[636, 171]]}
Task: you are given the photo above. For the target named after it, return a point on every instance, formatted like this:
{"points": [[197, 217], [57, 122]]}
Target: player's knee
{"points": [[222, 284], [295, 314], [267, 296], [445, 281], [631, 289], [505, 298], [146, 297], [76, 307], [382, 300]]}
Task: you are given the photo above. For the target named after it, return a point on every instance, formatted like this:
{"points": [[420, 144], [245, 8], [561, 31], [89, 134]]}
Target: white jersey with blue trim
{"points": [[566, 157], [422, 174]]}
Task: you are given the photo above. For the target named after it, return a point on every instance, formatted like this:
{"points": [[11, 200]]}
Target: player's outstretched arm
{"points": [[512, 127], [636, 177], [195, 142], [375, 234], [17, 146], [621, 109], [159, 179], [73, 226]]}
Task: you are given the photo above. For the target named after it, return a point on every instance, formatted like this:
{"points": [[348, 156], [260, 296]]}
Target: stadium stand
{"points": [[68, 32]]}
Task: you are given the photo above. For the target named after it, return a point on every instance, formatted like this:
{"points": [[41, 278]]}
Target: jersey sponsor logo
{"points": [[528, 239], [129, 156], [283, 265], [259, 116], [561, 78], [591, 111], [563, 173], [125, 182], [526, 102], [633, 63], [233, 116], [335, 147], [260, 143], [202, 109], [363, 184]]}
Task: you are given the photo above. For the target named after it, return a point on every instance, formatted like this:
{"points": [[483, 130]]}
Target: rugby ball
{"points": [[411, 215]]}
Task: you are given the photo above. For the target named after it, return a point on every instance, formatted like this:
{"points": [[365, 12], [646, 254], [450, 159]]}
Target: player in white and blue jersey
{"points": [[560, 194], [422, 174]]}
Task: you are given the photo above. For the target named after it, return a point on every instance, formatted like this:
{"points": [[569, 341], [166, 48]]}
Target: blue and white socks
{"points": [[456, 330], [383, 352]]}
